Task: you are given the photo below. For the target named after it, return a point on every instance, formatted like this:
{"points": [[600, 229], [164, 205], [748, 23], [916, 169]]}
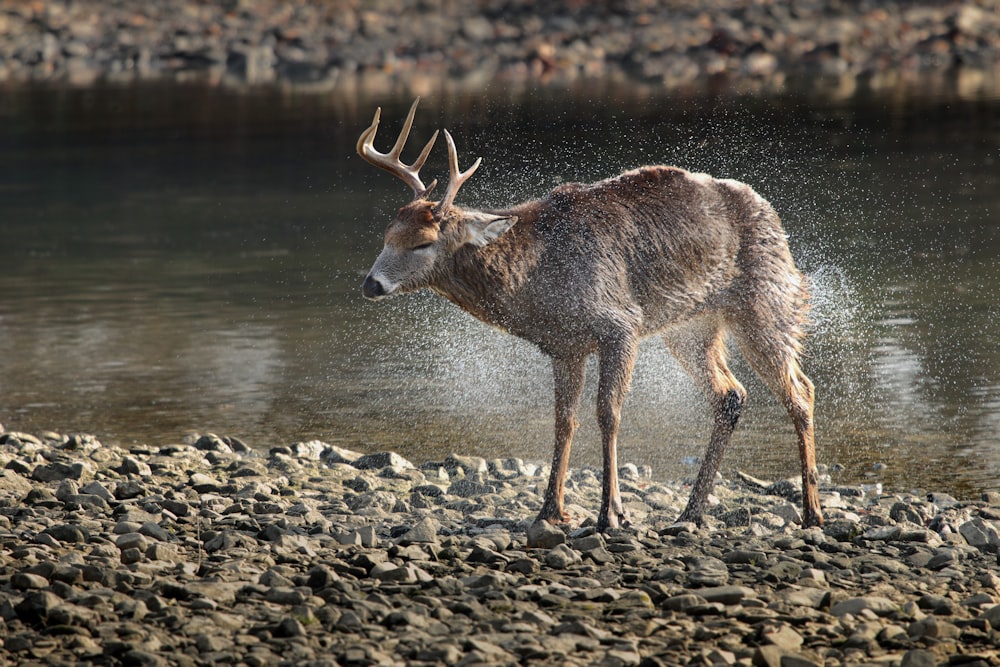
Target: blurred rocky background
{"points": [[666, 43]]}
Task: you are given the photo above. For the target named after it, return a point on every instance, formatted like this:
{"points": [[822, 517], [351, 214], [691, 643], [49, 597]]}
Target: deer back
{"points": [[645, 249]]}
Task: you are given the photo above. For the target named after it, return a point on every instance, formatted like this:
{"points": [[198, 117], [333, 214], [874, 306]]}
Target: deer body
{"points": [[597, 268], [581, 263]]}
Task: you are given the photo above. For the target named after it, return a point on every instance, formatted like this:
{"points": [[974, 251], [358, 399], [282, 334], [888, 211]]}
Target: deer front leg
{"points": [[568, 376], [616, 360]]}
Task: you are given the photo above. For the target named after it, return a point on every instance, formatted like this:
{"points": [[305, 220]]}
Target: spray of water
{"points": [[486, 392]]}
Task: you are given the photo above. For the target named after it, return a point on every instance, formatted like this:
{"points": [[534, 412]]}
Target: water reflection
{"points": [[181, 260]]}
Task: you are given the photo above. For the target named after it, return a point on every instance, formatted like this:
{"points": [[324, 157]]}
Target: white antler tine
{"points": [[419, 163], [367, 138], [456, 178], [404, 134]]}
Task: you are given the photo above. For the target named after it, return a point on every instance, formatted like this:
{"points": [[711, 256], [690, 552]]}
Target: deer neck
{"points": [[485, 282]]}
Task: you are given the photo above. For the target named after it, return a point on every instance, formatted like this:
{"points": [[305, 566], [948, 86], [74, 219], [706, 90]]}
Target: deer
{"points": [[596, 268]]}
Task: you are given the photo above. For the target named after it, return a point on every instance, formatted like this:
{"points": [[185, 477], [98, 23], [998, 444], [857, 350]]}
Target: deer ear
{"points": [[482, 231]]}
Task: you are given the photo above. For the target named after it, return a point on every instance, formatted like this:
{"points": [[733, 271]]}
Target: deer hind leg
{"points": [[617, 359], [773, 351], [703, 356], [568, 375]]}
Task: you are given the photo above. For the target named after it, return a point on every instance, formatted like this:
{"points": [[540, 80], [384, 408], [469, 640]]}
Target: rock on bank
{"points": [[208, 553]]}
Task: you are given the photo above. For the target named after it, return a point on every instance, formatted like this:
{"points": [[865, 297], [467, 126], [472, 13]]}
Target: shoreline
{"points": [[339, 44], [311, 554]]}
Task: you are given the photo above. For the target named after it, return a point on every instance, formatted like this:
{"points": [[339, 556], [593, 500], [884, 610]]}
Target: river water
{"points": [[183, 259]]}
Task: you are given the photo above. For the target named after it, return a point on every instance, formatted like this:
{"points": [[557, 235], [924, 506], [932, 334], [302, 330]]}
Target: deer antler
{"points": [[455, 178], [390, 161]]}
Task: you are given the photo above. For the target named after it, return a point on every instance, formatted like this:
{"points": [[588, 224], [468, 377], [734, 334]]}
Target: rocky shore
{"points": [[209, 553], [324, 43]]}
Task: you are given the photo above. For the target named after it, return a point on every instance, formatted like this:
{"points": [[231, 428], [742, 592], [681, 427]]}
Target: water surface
{"points": [[179, 260]]}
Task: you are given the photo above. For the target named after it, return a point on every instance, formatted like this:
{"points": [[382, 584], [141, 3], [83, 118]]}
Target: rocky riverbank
{"points": [[208, 553], [414, 43]]}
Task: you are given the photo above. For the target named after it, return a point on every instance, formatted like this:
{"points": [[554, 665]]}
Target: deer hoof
{"points": [[690, 517], [613, 521], [554, 516], [812, 518]]}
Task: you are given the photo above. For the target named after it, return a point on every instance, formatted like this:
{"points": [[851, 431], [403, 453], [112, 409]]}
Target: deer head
{"points": [[424, 234]]}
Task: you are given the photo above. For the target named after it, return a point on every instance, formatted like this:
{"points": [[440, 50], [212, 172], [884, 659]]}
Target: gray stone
{"points": [[918, 657], [68, 533], [333, 454], [561, 557], [378, 502], [312, 450], [783, 636], [580, 627], [467, 488], [212, 443], [882, 533], [13, 483], [57, 471], [769, 655], [543, 535], [424, 532], [36, 606], [129, 489], [933, 628], [203, 483], [790, 488], [599, 555], [842, 530], [744, 557], [980, 534], [23, 581], [707, 571], [727, 594], [285, 595], [943, 558], [132, 541], [132, 555], [140, 658], [98, 489], [132, 466], [789, 512], [229, 540], [879, 605], [683, 602], [992, 615], [388, 571], [90, 502], [469, 465], [679, 528], [380, 460], [901, 511], [814, 598], [153, 530]]}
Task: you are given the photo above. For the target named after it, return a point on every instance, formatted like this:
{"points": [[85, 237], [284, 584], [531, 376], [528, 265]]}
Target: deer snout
{"points": [[372, 288]]}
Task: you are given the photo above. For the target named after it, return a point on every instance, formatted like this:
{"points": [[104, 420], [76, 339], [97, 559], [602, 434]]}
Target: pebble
{"points": [[315, 554]]}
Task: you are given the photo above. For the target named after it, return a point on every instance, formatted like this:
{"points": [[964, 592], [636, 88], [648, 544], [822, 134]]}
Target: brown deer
{"points": [[596, 268]]}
